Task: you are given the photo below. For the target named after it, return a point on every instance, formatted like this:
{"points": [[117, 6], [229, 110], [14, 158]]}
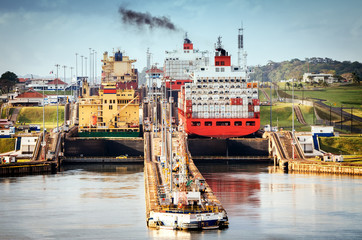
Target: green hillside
{"points": [[295, 68]]}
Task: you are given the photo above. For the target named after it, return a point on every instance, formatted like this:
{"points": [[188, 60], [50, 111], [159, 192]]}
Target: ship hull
{"points": [[198, 126]]}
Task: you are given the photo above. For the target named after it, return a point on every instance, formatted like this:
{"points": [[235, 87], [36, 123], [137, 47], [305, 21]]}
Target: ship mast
{"points": [[241, 51]]}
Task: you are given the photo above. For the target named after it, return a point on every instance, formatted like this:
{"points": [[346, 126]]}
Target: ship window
{"points": [[194, 123], [222, 123], [237, 123], [250, 123], [208, 123]]}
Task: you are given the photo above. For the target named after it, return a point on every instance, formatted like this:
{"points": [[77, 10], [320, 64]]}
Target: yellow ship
{"points": [[115, 111]]}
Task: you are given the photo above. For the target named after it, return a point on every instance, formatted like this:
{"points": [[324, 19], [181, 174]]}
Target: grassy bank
{"points": [[34, 115], [348, 96], [7, 144], [345, 145], [282, 115]]}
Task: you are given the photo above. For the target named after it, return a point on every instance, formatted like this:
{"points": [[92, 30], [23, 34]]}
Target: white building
{"points": [[57, 83], [27, 145], [319, 77], [154, 76]]}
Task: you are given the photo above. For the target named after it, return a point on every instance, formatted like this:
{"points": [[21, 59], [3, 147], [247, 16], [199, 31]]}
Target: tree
{"points": [[288, 84], [355, 78], [8, 81]]}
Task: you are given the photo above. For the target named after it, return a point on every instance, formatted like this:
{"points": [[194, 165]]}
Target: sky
{"points": [[38, 34]]}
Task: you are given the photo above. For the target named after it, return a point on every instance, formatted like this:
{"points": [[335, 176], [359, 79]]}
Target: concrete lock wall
{"points": [[230, 147], [103, 147]]}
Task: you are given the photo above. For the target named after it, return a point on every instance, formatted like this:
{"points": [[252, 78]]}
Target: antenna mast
{"points": [[240, 44]]}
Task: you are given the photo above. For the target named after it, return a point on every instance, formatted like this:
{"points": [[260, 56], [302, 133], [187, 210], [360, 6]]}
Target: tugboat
{"points": [[184, 199]]}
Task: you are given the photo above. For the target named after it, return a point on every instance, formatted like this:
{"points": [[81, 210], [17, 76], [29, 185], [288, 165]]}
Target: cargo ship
{"points": [[220, 102], [180, 64], [114, 112]]}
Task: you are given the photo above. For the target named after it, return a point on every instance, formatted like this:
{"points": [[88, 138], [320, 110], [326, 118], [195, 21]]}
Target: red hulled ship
{"points": [[220, 102]]}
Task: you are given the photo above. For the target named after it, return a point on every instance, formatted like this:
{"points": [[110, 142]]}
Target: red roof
{"points": [[57, 81], [22, 80], [154, 70], [30, 94]]}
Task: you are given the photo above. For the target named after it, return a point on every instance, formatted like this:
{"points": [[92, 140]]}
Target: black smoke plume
{"points": [[145, 19]]}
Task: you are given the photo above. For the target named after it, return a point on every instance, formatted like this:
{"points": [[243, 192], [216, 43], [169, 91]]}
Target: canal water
{"points": [[107, 202]]}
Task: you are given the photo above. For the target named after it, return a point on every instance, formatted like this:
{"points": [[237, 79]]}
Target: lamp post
{"points": [[341, 115], [81, 57], [64, 96], [330, 114], [76, 65], [85, 66], [56, 86], [71, 82], [293, 119], [171, 131], [90, 65], [95, 66], [43, 143], [271, 100], [351, 117]]}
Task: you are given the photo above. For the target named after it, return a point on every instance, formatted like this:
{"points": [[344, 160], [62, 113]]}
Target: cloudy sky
{"points": [[37, 34]]}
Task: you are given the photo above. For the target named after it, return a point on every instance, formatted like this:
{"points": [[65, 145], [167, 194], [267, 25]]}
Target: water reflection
{"points": [[108, 202]]}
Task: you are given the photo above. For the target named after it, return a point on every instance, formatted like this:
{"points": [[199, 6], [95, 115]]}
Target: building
{"points": [[56, 84], [115, 111], [27, 145], [319, 77], [153, 77], [29, 98]]}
